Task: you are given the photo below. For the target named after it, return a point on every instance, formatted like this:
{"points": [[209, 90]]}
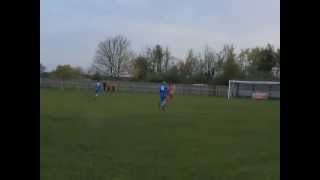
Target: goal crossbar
{"points": [[254, 82]]}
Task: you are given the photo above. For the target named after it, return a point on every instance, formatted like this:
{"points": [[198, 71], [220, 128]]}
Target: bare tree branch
{"points": [[111, 54]]}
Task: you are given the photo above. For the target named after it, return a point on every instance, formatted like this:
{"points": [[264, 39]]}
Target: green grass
{"points": [[126, 137]]}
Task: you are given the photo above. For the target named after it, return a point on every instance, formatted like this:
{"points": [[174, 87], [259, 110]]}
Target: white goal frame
{"points": [[251, 83]]}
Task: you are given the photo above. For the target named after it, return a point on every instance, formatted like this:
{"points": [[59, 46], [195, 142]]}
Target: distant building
{"points": [[126, 71], [276, 72], [173, 61], [125, 74]]}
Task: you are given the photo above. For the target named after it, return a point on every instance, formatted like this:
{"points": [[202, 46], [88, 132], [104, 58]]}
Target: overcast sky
{"points": [[71, 29]]}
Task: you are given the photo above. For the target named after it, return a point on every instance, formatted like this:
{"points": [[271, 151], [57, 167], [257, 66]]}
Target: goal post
{"points": [[254, 89]]}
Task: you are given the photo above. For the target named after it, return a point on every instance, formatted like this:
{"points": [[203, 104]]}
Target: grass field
{"points": [[126, 137]]}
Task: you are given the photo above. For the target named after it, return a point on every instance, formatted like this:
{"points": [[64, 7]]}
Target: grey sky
{"points": [[71, 29]]}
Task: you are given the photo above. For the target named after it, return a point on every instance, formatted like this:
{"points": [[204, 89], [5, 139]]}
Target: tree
{"points": [[97, 76], [231, 69], [141, 66], [202, 67], [166, 59], [261, 61], [180, 67], [268, 59], [158, 57], [66, 72], [150, 59], [276, 69], [209, 60], [173, 75], [192, 63], [111, 54], [186, 68], [43, 72], [42, 68], [243, 59], [278, 57], [218, 63], [253, 59]]}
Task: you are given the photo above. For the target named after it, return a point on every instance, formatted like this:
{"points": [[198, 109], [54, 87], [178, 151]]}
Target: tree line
{"points": [[114, 56]]}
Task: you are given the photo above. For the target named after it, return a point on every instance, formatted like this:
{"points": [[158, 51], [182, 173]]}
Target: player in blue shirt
{"points": [[98, 87], [163, 95]]}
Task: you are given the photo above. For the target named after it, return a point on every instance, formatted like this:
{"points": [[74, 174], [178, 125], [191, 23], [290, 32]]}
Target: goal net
{"points": [[254, 89]]}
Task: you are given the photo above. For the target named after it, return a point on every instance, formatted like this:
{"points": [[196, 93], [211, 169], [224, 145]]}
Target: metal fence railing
{"points": [[138, 87]]}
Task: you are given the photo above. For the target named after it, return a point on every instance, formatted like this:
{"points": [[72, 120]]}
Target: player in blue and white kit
{"points": [[98, 87], [163, 95]]}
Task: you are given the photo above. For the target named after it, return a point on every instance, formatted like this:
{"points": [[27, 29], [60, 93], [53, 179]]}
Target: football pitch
{"points": [[124, 136]]}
